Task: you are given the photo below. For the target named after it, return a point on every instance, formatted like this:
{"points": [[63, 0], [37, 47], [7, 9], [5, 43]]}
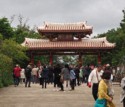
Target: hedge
{"points": [[6, 67]]}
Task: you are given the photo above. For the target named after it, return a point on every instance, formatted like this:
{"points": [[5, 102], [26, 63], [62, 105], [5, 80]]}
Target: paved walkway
{"points": [[35, 96]]}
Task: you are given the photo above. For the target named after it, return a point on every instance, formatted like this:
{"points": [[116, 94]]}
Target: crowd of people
{"points": [[44, 75], [99, 78]]}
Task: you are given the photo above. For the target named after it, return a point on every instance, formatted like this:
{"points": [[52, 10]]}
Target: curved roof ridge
{"points": [[111, 44], [59, 26], [95, 39], [100, 43], [34, 39], [75, 23]]}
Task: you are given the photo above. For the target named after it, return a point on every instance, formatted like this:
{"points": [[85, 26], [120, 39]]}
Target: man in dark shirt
{"points": [[28, 75]]}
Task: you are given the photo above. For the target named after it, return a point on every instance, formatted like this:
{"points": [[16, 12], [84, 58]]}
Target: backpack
{"points": [[27, 71]]}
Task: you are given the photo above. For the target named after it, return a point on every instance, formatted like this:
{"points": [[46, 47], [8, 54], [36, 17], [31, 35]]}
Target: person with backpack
{"points": [[28, 71]]}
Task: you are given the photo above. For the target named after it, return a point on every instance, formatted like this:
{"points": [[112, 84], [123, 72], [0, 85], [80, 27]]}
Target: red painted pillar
{"points": [[51, 59], [99, 58], [80, 60], [32, 59]]}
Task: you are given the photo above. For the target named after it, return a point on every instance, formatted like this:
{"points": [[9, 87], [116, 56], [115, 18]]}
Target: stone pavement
{"points": [[35, 96]]}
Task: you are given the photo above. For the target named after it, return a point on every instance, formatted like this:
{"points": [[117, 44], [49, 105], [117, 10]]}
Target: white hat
{"points": [[17, 65], [107, 65], [29, 66]]}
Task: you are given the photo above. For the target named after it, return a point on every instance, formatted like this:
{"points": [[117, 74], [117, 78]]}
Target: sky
{"points": [[103, 15]]}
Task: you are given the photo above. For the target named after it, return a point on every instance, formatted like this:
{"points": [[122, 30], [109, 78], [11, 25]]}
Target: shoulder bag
{"points": [[100, 103]]}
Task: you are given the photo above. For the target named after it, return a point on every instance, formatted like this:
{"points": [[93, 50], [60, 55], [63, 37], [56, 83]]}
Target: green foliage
{"points": [[11, 52], [5, 28], [122, 24], [23, 31], [6, 65], [90, 59], [68, 59], [14, 51], [1, 39], [43, 59]]}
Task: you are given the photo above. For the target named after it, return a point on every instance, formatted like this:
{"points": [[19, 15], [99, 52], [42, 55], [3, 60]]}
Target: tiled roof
{"points": [[80, 26], [98, 43]]}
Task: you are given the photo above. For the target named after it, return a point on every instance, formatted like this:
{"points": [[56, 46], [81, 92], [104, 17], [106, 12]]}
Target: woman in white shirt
{"points": [[22, 75]]}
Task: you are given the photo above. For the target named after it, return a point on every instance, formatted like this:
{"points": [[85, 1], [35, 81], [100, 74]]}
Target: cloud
{"points": [[101, 14]]}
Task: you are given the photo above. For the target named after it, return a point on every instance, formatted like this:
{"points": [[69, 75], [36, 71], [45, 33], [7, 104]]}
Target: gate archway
{"points": [[67, 39]]}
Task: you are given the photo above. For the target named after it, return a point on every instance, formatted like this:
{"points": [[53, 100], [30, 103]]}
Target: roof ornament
{"points": [[26, 43], [103, 41], [46, 24]]}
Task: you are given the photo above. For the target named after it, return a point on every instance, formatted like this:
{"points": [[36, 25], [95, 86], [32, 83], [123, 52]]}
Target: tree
{"points": [[6, 65], [122, 24], [23, 30], [5, 28], [1, 39], [90, 59], [14, 51]]}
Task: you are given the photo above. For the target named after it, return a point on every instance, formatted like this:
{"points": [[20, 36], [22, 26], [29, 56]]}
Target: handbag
{"points": [[89, 84], [100, 103], [61, 79]]}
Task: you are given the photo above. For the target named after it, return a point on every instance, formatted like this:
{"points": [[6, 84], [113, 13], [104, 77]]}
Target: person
{"points": [[114, 73], [110, 85], [34, 74], [87, 73], [44, 77], [17, 71], [81, 74], [122, 95], [39, 74], [50, 74], [77, 71], [103, 90], [72, 78], [22, 75], [65, 75], [57, 82], [94, 78], [28, 71]]}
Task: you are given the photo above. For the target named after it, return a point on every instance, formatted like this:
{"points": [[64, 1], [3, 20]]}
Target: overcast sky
{"points": [[101, 14]]}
